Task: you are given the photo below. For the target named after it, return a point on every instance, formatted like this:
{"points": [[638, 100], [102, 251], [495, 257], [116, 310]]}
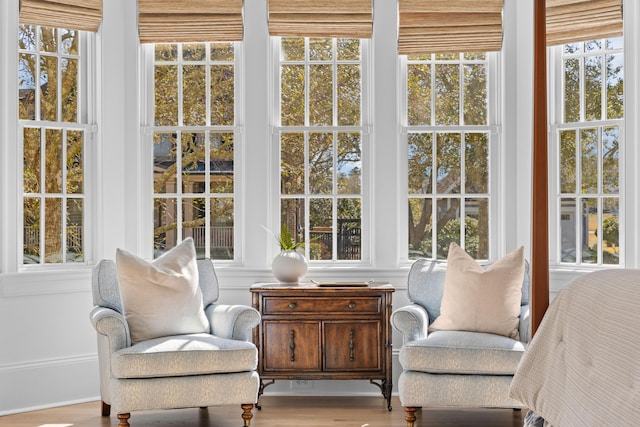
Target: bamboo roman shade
{"points": [[83, 15], [318, 18], [433, 26], [570, 21], [165, 21]]}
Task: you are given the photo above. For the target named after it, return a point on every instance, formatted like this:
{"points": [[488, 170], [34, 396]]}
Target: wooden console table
{"points": [[324, 332]]}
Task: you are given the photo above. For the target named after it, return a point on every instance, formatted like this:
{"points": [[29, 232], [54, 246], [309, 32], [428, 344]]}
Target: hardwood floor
{"points": [[279, 411]]}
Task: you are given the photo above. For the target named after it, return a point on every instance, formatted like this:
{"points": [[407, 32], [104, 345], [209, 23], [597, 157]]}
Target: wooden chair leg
{"points": [[246, 413], [410, 415], [106, 409], [124, 420]]}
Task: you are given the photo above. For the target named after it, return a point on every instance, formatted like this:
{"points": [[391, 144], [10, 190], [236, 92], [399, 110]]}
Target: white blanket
{"points": [[582, 367]]}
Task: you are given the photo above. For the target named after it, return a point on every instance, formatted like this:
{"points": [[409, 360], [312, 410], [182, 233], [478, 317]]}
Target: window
{"points": [[321, 136], [195, 140], [448, 137], [588, 139], [55, 124]]}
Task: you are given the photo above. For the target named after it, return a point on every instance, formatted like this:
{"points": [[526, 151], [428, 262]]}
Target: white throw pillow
{"points": [[479, 300], [162, 297]]}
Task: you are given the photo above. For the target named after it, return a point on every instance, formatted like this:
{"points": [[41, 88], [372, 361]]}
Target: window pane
{"points": [[53, 158], [419, 94], [448, 163], [292, 48], [420, 162], [222, 52], [26, 86], [48, 40], [349, 229], [222, 95], [292, 163], [321, 95], [31, 160], [53, 230], [75, 162], [166, 52], [475, 94], [49, 88], [348, 49], [165, 217], [194, 51], [448, 225], [610, 159], [420, 227], [321, 163], [166, 95], [349, 163], [349, 91], [615, 86], [164, 163], [447, 88], [292, 214], [568, 215], [589, 160], [222, 169], [31, 232], [292, 88], [476, 163], [320, 49], [194, 95], [321, 228], [593, 87], [567, 161], [476, 228], [590, 230], [571, 90], [222, 228], [75, 230], [193, 162], [194, 223], [69, 41], [69, 70], [610, 231]]}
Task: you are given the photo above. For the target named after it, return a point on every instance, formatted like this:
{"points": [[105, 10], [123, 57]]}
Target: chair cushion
{"points": [[181, 355], [482, 300], [162, 297], [460, 352]]}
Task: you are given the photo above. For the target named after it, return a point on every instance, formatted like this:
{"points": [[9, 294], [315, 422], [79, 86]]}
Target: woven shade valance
{"points": [[315, 18], [570, 21], [83, 15], [449, 26], [166, 21]]}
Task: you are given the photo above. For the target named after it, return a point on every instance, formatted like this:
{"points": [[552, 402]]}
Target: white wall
{"points": [[47, 345]]}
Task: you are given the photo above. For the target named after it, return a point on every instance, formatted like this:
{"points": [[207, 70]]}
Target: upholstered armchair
{"points": [[179, 371], [452, 368]]}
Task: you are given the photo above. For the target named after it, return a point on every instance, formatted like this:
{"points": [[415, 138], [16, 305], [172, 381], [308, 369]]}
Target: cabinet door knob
{"points": [[352, 305], [292, 305]]}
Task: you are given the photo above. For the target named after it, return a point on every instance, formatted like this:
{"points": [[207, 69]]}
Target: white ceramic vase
{"points": [[289, 266]]}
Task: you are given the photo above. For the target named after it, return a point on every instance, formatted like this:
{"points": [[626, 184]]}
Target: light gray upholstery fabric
{"points": [[459, 352], [185, 392], [196, 370], [444, 390], [193, 354], [453, 368]]}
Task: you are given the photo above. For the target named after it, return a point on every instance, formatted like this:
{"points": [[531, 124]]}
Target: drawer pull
{"points": [[352, 305], [292, 305], [292, 345], [351, 346]]}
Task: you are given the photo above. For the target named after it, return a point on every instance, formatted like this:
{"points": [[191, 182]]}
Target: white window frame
{"points": [[556, 125], [494, 130], [87, 111], [149, 128], [366, 131]]}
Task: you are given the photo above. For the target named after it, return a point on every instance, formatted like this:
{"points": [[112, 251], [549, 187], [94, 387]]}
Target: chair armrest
{"points": [[232, 321], [525, 324], [113, 325], [412, 320]]}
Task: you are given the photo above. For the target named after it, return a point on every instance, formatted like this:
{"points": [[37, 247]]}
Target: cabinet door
{"points": [[352, 346], [291, 346]]}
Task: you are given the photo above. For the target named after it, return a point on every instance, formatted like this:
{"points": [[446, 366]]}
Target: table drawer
{"points": [[279, 305]]}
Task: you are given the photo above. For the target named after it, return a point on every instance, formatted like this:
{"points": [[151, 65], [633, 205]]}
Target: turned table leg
{"points": [[246, 413], [410, 415]]}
